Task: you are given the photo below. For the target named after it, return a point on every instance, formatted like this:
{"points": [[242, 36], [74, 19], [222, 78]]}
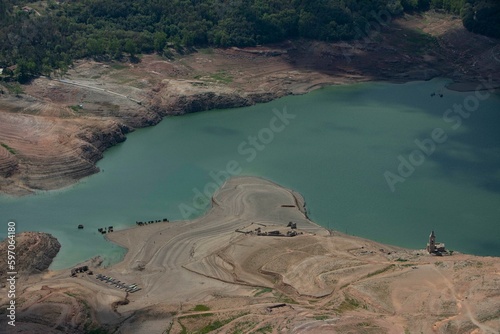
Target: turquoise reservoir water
{"points": [[336, 148]]}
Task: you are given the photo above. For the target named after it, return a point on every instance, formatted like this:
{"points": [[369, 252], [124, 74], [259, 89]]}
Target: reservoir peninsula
{"points": [[242, 265]]}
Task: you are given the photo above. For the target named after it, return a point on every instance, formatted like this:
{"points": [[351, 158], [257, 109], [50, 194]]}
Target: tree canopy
{"points": [[40, 41]]}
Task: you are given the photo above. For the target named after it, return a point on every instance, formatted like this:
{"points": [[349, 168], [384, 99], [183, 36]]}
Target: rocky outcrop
{"points": [[204, 101], [34, 252], [55, 153], [263, 97], [95, 141], [178, 97]]}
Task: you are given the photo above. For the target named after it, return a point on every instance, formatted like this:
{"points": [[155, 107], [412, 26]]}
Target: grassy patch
{"points": [[408, 265], [321, 317], [243, 327], [213, 326], [380, 271], [265, 329], [281, 298], [76, 107], [222, 76], [201, 308], [184, 330], [262, 291], [439, 264], [8, 148], [349, 304], [195, 316], [401, 260], [14, 88], [210, 325], [89, 326]]}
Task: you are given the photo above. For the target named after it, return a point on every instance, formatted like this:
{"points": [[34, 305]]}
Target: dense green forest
{"points": [[49, 35]]}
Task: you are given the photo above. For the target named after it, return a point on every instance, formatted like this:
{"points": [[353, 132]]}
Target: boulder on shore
{"points": [[34, 253]]}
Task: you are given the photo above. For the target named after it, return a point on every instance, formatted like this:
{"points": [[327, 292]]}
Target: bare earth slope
{"points": [[242, 282], [52, 134]]}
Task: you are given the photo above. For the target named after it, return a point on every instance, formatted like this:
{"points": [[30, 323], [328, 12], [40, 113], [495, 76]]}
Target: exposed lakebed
{"points": [[383, 161]]}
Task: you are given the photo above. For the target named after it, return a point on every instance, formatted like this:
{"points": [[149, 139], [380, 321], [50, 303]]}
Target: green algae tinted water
{"points": [[338, 146]]}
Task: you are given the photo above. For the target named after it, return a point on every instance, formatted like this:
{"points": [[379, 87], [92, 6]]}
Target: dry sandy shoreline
{"points": [[324, 282], [172, 247]]}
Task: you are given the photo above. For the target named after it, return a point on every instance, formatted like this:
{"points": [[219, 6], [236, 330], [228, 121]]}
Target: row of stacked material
{"points": [[117, 284]]}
